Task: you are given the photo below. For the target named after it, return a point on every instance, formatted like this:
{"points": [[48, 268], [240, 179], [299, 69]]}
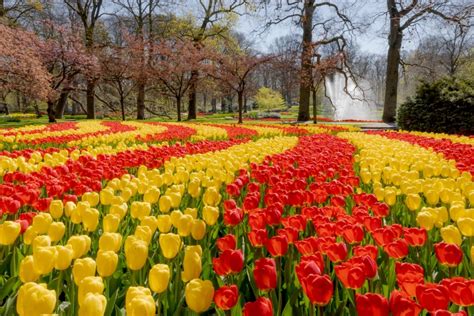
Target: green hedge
{"points": [[444, 106]]}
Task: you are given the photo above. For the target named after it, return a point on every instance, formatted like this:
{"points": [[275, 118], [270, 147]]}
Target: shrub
{"points": [[268, 99], [444, 106]]}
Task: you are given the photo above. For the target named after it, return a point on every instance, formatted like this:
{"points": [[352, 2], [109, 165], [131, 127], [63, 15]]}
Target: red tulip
{"points": [[415, 237], [338, 200], [251, 201], [448, 313], [325, 229], [290, 233], [318, 288], [432, 296], [409, 276], [353, 234], [371, 304], [265, 274], [229, 261], [351, 276], [233, 216], [305, 268], [336, 252], [403, 305], [397, 249], [226, 242], [448, 254], [261, 307], [369, 264], [257, 220], [367, 250], [380, 209], [277, 245], [258, 237], [305, 247], [232, 189], [461, 291], [372, 223], [226, 297], [387, 234], [296, 221]]}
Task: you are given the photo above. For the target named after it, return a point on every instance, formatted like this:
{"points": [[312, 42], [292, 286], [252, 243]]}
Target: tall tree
{"points": [[89, 12], [408, 14], [142, 12]]}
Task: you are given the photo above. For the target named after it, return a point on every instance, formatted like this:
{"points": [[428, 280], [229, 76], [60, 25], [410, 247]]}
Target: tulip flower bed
{"points": [[180, 219]]}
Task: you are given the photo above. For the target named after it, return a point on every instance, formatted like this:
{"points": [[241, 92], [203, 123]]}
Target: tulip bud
{"points": [[91, 197], [136, 253], [44, 259], [110, 242], [139, 302], [175, 199], [144, 233], [451, 235], [80, 245], [185, 225], [175, 217], [93, 304], [27, 272], [35, 299], [41, 223], [198, 231], [119, 209], [211, 196], [9, 232], [56, 231], [165, 204], [192, 263], [90, 284], [159, 278], [199, 295], [425, 219], [41, 241], [56, 208], [90, 219], [140, 209], [106, 263], [191, 211], [413, 201], [28, 236], [64, 257], [466, 226], [151, 222], [170, 244], [106, 196], [164, 223], [210, 214], [111, 223], [83, 268], [194, 188]]}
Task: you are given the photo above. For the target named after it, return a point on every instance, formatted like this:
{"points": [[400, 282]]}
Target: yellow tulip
{"points": [[432, 197], [175, 217], [426, 220], [106, 263], [210, 215], [28, 236], [140, 209], [139, 302], [445, 195], [451, 235], [83, 268], [106, 196], [90, 284], [164, 223], [35, 299], [199, 295], [198, 230], [126, 194], [192, 266], [151, 222], [9, 232], [64, 257], [76, 215], [390, 196], [56, 231], [191, 211], [69, 207], [379, 193], [27, 272], [136, 253], [90, 219], [110, 241], [119, 209], [175, 199], [457, 211], [91, 197], [44, 259], [170, 244], [413, 201], [93, 304], [80, 245], [56, 208], [152, 195], [111, 223], [41, 223], [144, 233], [211, 197], [159, 277], [194, 188], [185, 224], [466, 226], [41, 241], [165, 204]]}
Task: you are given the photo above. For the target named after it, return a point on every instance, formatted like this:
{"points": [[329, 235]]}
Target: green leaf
{"points": [[11, 284], [111, 304]]}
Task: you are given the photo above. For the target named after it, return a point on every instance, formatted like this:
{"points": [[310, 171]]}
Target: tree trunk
{"points": [[245, 105], [213, 105], [229, 105], [192, 96], [62, 102], [90, 100], [223, 104], [178, 108], [122, 106], [240, 100], [2, 9], [141, 102], [51, 113], [306, 64], [18, 101], [315, 106], [393, 61], [204, 102]]}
